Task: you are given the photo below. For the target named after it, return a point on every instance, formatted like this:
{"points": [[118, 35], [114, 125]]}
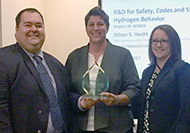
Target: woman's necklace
{"points": [[158, 67]]}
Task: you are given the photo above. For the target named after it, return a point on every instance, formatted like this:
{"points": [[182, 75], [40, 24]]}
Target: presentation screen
{"points": [[131, 22]]}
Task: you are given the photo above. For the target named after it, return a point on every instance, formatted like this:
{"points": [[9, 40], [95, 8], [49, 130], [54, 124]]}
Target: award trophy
{"points": [[101, 83]]}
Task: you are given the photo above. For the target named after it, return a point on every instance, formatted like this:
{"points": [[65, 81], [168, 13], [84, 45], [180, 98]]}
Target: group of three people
{"points": [[42, 95]]}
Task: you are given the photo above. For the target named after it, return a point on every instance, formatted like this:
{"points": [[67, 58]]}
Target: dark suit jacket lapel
{"points": [[106, 61], [84, 60], [163, 73], [30, 65]]}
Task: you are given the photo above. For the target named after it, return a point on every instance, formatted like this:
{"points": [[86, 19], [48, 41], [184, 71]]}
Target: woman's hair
{"points": [[97, 11], [173, 39]]}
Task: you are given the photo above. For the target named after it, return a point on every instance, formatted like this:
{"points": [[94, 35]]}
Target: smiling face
{"points": [[96, 29], [161, 50], [30, 33]]}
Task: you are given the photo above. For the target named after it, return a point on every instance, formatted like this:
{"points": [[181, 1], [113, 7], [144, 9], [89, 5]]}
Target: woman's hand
{"points": [[109, 99], [88, 102]]}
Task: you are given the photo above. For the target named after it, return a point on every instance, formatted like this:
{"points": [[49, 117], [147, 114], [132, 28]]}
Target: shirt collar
{"points": [[31, 55]]}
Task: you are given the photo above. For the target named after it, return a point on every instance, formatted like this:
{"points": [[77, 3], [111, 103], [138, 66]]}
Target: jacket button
{"points": [[39, 131], [39, 111], [151, 110]]}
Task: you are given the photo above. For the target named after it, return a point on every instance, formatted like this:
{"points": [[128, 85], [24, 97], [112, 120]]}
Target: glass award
{"points": [[101, 83]]}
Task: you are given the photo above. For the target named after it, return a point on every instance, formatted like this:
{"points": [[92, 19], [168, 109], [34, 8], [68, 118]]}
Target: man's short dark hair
{"points": [[18, 17]]}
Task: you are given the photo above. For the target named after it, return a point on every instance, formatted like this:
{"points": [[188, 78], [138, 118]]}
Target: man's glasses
{"points": [[162, 41]]}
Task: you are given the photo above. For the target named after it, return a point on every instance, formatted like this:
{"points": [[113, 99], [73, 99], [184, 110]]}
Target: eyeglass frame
{"points": [[162, 41]]}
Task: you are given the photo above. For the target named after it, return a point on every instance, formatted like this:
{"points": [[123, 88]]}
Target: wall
{"points": [[64, 23], [65, 26], [0, 26]]}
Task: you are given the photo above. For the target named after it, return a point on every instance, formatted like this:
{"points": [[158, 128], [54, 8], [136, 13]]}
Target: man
{"points": [[29, 100]]}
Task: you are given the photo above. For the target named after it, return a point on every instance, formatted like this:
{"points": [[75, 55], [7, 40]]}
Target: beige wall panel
{"points": [[64, 23], [65, 26]]}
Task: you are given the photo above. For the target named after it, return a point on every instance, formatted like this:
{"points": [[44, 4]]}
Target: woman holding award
{"points": [[104, 81]]}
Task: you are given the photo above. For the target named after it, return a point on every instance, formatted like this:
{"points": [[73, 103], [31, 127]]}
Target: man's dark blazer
{"points": [[117, 62], [169, 100], [24, 106]]}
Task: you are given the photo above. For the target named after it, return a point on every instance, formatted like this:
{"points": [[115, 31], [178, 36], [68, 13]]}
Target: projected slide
{"points": [[131, 22]]}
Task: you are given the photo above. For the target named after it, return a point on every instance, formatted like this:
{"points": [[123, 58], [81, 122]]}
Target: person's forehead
{"points": [[97, 18], [30, 16], [160, 32]]}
